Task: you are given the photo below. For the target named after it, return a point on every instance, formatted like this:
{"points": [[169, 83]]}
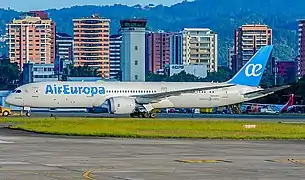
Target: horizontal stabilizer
{"points": [[264, 92]]}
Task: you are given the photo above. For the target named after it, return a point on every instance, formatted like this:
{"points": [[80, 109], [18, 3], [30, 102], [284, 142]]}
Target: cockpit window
{"points": [[18, 91], [14, 91]]}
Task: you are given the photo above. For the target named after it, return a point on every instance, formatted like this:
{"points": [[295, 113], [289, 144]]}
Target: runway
{"points": [[31, 156]]}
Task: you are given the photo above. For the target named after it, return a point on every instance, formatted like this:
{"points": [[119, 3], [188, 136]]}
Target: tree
{"points": [[222, 75], [82, 71], [9, 75], [267, 80]]}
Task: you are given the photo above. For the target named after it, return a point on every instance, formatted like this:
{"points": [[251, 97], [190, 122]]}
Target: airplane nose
{"points": [[9, 100]]}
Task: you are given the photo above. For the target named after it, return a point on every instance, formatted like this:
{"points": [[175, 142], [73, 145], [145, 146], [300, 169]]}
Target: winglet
{"points": [[251, 73]]}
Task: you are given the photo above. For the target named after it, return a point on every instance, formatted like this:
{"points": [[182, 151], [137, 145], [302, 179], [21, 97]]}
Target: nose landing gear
{"points": [[27, 111]]}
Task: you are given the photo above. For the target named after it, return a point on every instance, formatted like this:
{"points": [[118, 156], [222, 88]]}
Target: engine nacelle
{"points": [[121, 105]]}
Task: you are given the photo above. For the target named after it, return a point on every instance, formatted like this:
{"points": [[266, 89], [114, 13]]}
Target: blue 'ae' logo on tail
{"points": [[253, 70], [251, 73]]}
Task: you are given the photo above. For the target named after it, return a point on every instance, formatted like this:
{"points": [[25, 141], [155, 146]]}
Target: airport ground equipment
{"points": [[5, 111]]}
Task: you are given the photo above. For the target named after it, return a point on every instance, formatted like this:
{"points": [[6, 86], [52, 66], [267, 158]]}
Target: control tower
{"points": [[133, 49]]}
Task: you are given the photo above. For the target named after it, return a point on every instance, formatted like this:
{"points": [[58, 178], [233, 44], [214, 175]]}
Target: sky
{"points": [[26, 5]]}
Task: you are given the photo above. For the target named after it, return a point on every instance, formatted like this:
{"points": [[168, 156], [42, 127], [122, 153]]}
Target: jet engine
{"points": [[121, 105]]}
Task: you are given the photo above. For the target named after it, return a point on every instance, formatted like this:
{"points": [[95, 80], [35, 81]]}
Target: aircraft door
{"points": [[163, 89], [224, 93]]}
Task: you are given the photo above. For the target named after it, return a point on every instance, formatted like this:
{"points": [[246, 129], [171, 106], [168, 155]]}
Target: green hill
{"points": [[221, 16]]}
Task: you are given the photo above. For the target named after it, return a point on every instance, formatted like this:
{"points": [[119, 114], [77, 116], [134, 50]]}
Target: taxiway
{"points": [[32, 156]]}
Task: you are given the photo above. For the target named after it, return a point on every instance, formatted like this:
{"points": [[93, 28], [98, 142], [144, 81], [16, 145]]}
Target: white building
{"points": [[133, 50], [199, 70], [38, 73], [200, 46]]}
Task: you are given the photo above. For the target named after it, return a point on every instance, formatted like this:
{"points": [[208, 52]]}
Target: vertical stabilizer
{"points": [[251, 73]]}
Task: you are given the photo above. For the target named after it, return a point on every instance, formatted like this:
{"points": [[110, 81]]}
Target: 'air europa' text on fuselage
{"points": [[74, 90]]}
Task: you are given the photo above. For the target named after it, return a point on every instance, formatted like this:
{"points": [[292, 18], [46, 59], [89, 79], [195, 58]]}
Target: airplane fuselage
{"points": [[94, 94]]}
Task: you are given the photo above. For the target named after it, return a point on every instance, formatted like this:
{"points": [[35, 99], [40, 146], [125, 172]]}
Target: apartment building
{"points": [[248, 40], [200, 46], [91, 43], [30, 38], [158, 51]]}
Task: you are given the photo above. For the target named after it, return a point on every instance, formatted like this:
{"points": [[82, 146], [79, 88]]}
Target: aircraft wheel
{"points": [[145, 115], [152, 115], [133, 115], [5, 113], [28, 114]]}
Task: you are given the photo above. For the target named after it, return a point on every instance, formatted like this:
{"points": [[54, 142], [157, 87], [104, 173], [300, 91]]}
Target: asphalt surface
{"points": [[32, 156]]}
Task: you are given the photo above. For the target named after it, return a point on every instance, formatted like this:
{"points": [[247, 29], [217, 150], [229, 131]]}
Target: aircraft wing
{"points": [[149, 98], [264, 92]]}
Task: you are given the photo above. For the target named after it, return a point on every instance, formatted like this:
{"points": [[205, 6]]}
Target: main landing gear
{"points": [[143, 115], [144, 111]]}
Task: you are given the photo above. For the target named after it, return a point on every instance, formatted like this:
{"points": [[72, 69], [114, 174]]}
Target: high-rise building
{"points": [[31, 39], [176, 41], [91, 43], [64, 46], [115, 56], [248, 40], [301, 58], [200, 45], [43, 15], [158, 51], [133, 49]]}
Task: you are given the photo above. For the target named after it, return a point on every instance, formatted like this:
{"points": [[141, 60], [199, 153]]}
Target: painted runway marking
{"points": [[14, 163], [6, 142], [86, 175]]}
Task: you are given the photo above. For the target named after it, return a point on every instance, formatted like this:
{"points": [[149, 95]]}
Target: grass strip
{"points": [[147, 128]]}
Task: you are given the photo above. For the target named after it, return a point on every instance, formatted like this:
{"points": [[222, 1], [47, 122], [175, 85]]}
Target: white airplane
{"points": [[138, 99]]}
